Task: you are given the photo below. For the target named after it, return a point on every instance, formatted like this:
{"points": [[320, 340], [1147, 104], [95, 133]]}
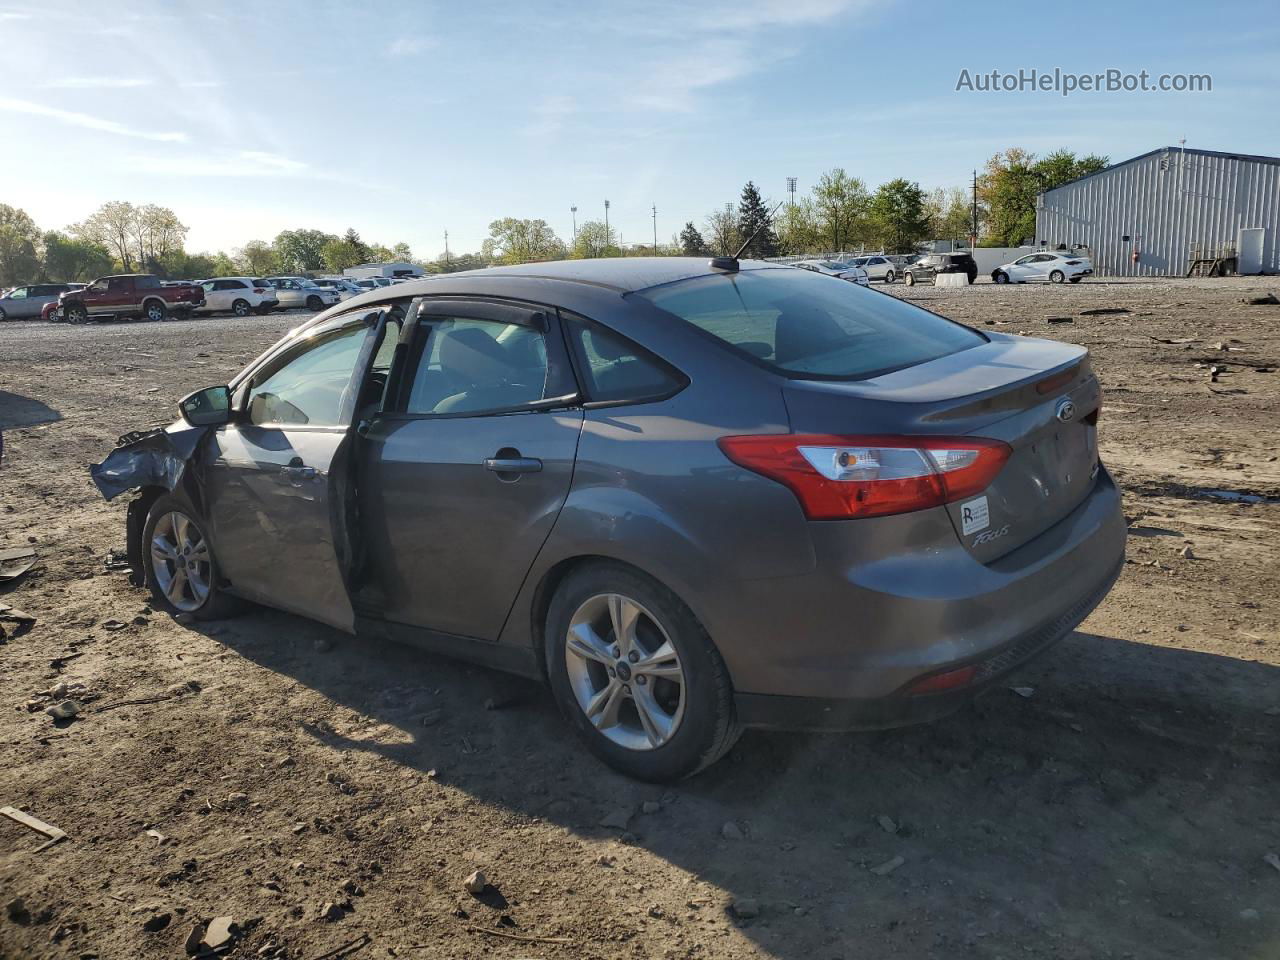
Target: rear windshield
{"points": [[805, 324]]}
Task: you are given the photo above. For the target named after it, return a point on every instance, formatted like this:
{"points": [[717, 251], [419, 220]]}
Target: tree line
{"points": [[840, 213]]}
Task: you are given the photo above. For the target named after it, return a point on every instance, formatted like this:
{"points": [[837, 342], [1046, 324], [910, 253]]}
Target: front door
{"points": [[465, 472], [1252, 241], [277, 476]]}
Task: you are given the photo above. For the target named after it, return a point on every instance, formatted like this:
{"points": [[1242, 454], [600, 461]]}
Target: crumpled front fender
{"points": [[151, 458]]}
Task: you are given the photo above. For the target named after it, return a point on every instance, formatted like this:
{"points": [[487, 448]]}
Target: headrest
{"points": [[474, 355], [803, 332]]}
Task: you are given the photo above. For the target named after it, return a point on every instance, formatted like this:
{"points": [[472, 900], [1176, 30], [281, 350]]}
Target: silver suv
{"points": [[303, 292]]}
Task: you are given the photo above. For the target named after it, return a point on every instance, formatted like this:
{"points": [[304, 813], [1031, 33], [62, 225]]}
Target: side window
{"points": [[117, 285], [20, 293], [209, 286], [475, 366], [615, 369], [308, 387]]}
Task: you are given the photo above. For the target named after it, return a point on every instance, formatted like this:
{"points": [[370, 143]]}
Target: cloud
{"points": [[550, 114], [200, 84], [409, 44], [244, 163], [87, 121], [98, 83]]}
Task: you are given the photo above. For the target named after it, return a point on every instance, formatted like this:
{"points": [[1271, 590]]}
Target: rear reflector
{"points": [[840, 478], [1057, 381], [942, 682]]}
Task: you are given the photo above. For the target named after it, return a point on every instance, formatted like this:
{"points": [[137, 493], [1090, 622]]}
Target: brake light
{"points": [[839, 478], [942, 682], [259, 290]]}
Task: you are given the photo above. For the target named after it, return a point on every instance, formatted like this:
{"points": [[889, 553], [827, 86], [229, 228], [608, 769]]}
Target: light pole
{"points": [[446, 250], [791, 189], [655, 229], [606, 228], [574, 210]]}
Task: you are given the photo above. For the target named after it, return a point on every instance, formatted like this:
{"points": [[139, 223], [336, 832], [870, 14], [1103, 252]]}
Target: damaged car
{"points": [[691, 496]]}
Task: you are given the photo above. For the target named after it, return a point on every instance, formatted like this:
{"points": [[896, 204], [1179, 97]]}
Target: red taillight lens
{"points": [[259, 290], [839, 478]]}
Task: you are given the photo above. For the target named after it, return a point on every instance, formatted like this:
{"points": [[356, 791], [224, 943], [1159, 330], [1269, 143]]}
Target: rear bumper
{"points": [[878, 614]]}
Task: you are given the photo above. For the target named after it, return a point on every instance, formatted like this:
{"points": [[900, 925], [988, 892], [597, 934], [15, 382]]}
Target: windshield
{"points": [[808, 324]]}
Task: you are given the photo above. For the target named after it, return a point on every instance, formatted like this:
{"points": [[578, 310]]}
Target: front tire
{"points": [[154, 311], [76, 313], [636, 676], [240, 308], [890, 277], [179, 565], [1000, 277], [315, 304], [1057, 276], [909, 279]]}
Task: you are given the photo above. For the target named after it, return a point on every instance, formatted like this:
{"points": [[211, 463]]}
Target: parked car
{"points": [[367, 283], [238, 295], [130, 295], [1045, 266], [929, 266], [877, 267], [302, 292], [28, 303], [51, 312], [834, 268], [346, 289], [750, 495]]}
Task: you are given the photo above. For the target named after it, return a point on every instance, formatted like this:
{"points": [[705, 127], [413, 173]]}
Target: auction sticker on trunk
{"points": [[974, 515]]}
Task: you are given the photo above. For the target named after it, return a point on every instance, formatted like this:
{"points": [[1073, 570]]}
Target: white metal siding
{"points": [[1198, 200]]}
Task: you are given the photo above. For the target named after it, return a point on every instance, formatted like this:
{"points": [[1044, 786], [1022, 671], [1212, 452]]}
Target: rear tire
{"points": [[154, 310], [240, 308], [178, 563], [1057, 276], [3, 316], [909, 279], [651, 726]]}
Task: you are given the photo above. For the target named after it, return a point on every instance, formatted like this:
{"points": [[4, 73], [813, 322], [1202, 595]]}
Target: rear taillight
{"points": [[839, 478], [259, 290], [942, 682]]}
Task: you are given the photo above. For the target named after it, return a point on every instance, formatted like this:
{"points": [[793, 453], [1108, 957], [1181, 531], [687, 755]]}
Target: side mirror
{"points": [[210, 407]]}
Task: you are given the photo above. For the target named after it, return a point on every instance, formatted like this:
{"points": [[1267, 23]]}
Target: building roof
{"points": [[1244, 157]]}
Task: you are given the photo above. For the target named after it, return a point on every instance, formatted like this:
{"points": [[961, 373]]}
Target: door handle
{"points": [[513, 464], [297, 470]]}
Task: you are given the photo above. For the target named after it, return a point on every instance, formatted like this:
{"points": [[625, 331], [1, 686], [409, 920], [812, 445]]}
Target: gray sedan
{"points": [[26, 303], [692, 496]]}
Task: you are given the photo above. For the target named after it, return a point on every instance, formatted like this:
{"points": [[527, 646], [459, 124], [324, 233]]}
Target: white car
{"points": [[1044, 266], [835, 268], [238, 295], [345, 287], [303, 292], [878, 267]]}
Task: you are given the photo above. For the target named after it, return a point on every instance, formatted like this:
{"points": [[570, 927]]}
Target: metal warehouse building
{"points": [[1156, 214]]}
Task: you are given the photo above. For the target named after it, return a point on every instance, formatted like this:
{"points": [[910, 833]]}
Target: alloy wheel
{"points": [[625, 672], [155, 312], [181, 561]]}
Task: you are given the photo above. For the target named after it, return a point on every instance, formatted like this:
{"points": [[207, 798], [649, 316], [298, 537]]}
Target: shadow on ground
{"points": [[19, 411], [1075, 819]]}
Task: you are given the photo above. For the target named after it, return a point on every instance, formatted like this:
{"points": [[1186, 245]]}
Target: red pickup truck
{"points": [[130, 295]]}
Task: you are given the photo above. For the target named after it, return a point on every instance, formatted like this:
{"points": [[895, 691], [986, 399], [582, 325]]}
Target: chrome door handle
{"points": [[297, 470], [513, 464]]}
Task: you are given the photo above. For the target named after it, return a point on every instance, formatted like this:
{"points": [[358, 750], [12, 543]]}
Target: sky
{"points": [[404, 120]]}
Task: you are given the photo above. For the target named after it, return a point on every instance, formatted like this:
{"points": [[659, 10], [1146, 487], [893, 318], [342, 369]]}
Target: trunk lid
{"points": [[1038, 396]]}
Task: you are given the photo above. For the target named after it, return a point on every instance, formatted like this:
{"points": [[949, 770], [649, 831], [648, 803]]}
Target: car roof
{"points": [[625, 274]]}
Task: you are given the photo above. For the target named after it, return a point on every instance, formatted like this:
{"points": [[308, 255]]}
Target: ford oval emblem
{"points": [[1066, 410]]}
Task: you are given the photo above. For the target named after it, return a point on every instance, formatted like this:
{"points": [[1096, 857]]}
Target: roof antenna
{"points": [[730, 264]]}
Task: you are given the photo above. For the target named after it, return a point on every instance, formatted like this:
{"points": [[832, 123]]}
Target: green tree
{"points": [[348, 251], [840, 202], [950, 213], [722, 232], [754, 221], [458, 262], [112, 226], [1012, 181], [258, 258], [69, 259], [157, 233], [301, 250], [593, 240], [897, 213], [401, 253], [512, 240], [691, 242], [799, 229], [19, 260]]}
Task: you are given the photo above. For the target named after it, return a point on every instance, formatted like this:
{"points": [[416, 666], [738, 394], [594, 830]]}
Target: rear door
{"points": [[466, 470], [278, 476]]}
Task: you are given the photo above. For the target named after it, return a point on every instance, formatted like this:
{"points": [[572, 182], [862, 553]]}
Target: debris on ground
{"points": [[1104, 311], [888, 867], [1272, 859], [887, 823], [36, 824], [1265, 300], [1025, 692], [15, 562], [63, 710], [650, 806], [1059, 320], [1187, 553], [16, 910], [746, 908], [157, 922], [23, 620], [616, 819], [476, 883]]}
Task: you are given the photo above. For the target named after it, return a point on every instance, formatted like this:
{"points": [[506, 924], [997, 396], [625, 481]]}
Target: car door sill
{"points": [[518, 660]]}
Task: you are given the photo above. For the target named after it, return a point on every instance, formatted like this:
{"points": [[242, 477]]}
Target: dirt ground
{"points": [[1124, 801]]}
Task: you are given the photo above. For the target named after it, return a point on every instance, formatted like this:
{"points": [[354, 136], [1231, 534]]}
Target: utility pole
{"points": [[973, 222], [446, 250], [606, 228], [574, 210], [655, 229], [791, 189]]}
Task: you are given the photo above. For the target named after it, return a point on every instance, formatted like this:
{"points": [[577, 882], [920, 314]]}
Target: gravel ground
{"points": [[323, 791]]}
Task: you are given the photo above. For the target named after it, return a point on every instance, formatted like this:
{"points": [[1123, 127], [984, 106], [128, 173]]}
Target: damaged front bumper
{"points": [[147, 458]]}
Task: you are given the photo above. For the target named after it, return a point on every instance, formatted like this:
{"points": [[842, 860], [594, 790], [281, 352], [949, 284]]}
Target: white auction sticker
{"points": [[974, 515]]}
